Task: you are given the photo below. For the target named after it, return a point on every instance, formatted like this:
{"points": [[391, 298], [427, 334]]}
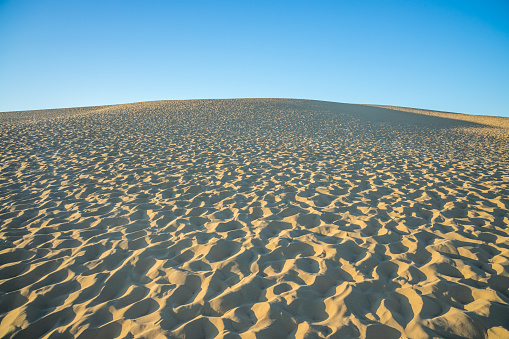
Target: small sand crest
{"points": [[253, 218]]}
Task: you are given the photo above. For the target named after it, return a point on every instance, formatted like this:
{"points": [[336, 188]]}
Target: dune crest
{"points": [[253, 218]]}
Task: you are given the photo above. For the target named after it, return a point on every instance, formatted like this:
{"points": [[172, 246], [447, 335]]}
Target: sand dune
{"points": [[253, 218]]}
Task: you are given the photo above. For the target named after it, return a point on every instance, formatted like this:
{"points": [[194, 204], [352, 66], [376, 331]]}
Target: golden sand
{"points": [[253, 218]]}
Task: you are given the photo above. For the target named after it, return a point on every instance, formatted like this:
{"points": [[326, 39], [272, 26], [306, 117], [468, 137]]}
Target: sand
{"points": [[253, 218]]}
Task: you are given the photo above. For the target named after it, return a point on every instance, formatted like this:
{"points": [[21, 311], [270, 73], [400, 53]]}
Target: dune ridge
{"points": [[492, 121], [253, 218]]}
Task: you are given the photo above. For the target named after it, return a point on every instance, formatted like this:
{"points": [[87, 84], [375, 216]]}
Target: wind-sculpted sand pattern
{"points": [[256, 218]]}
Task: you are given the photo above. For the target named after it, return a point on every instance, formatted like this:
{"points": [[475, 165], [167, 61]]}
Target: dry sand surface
{"points": [[255, 218]]}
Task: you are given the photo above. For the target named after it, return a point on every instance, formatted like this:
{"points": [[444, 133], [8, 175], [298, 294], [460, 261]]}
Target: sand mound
{"points": [[258, 218]]}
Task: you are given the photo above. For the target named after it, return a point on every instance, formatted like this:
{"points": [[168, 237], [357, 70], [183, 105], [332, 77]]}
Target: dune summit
{"points": [[253, 218]]}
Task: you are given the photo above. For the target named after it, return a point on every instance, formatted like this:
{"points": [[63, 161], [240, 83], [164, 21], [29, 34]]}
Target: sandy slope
{"points": [[264, 218]]}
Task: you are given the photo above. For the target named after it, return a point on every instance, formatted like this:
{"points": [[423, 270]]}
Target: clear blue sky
{"points": [[444, 55]]}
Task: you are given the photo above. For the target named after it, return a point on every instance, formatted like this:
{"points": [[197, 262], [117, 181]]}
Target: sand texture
{"points": [[253, 218]]}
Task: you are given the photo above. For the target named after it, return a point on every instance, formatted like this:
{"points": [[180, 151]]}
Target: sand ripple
{"points": [[263, 218]]}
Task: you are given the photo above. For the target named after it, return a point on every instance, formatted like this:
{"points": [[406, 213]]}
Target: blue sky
{"points": [[444, 55]]}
